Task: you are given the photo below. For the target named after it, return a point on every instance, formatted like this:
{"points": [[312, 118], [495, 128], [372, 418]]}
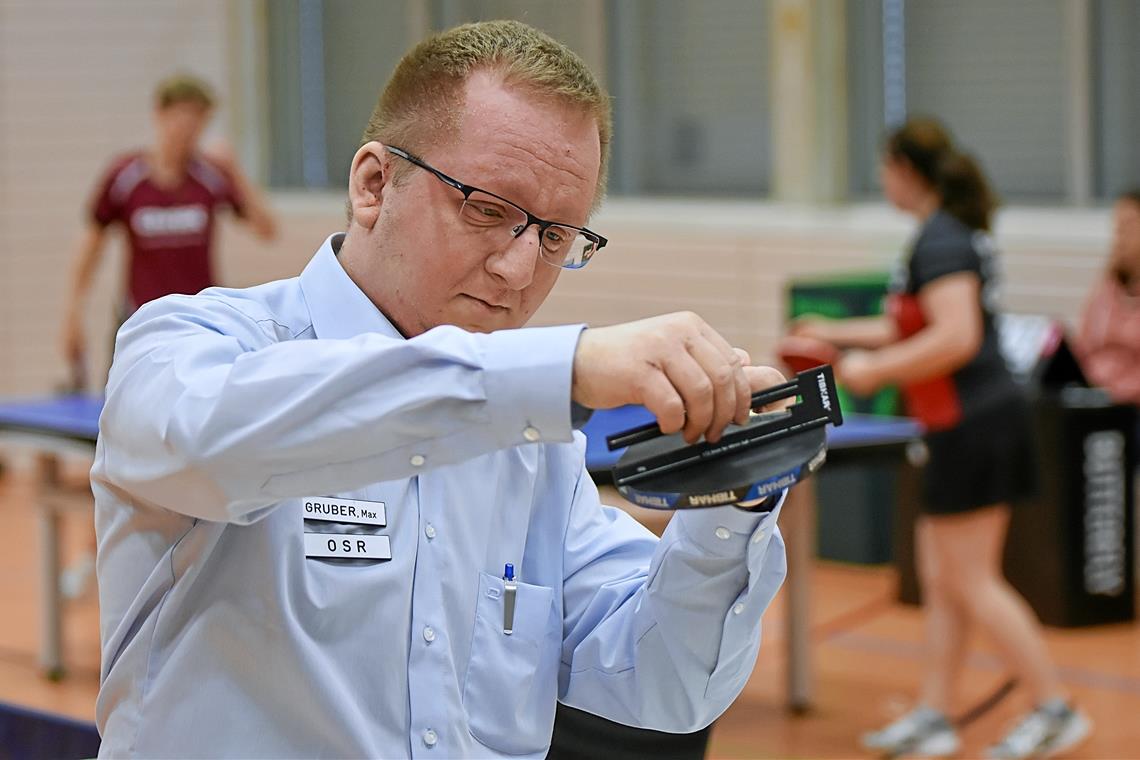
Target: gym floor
{"points": [[867, 651]]}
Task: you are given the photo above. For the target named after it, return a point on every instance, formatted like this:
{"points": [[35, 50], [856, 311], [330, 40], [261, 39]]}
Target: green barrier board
{"points": [[858, 294]]}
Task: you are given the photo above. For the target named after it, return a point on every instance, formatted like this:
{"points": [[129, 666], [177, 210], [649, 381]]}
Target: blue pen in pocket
{"points": [[510, 588]]}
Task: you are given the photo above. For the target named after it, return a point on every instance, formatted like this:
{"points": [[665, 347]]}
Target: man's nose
{"points": [[515, 263]]}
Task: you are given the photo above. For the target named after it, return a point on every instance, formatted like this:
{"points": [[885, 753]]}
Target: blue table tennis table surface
{"points": [[71, 416], [78, 417]]}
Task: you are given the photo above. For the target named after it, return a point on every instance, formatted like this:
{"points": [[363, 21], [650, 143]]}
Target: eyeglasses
{"points": [[561, 245]]}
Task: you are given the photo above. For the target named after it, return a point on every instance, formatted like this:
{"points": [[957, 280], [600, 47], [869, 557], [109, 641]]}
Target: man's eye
{"points": [[482, 213], [490, 211]]}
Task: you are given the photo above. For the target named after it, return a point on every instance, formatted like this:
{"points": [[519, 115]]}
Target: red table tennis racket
{"points": [[801, 353]]}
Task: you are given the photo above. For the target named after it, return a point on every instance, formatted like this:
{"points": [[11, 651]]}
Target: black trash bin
{"points": [[1071, 549]]}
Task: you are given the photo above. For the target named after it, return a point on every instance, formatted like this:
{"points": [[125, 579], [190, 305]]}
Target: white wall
{"points": [[731, 261], [75, 86], [75, 80]]}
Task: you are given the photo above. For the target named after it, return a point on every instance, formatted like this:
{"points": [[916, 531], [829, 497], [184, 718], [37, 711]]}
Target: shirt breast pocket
{"points": [[511, 687]]}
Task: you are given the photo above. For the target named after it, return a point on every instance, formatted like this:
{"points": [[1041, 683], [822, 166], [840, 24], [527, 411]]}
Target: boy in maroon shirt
{"points": [[165, 198]]}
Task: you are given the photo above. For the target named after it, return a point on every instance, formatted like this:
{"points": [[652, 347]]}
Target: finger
{"points": [[722, 372], [743, 389], [718, 341], [725, 369], [695, 388], [760, 378], [662, 400], [741, 392]]}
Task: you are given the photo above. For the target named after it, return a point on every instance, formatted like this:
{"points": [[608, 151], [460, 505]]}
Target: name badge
{"points": [[347, 546], [345, 511]]}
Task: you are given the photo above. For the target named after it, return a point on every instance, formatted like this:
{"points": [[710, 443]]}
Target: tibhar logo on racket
{"points": [[712, 499], [785, 481], [824, 396]]}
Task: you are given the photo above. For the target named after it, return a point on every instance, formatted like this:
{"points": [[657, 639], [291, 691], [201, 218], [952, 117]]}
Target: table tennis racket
{"points": [[800, 352], [750, 462]]}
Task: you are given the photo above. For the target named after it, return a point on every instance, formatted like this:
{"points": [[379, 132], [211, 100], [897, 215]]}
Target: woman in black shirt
{"points": [[939, 344]]}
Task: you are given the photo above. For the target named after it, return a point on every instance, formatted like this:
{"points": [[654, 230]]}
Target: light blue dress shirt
{"points": [[228, 410]]}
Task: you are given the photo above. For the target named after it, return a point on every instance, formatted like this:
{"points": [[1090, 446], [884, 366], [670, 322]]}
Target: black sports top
{"points": [[946, 246]]}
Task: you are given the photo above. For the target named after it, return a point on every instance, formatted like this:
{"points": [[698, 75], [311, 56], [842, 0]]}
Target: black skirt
{"points": [[987, 459]]}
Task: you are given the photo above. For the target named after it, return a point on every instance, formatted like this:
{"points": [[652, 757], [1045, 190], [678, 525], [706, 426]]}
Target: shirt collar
{"points": [[339, 309]]}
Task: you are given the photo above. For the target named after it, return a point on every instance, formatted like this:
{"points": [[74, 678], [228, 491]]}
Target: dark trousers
{"points": [[581, 736]]}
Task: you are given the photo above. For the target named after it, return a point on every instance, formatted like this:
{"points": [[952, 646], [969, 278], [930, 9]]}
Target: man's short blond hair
{"points": [[422, 102], [183, 88]]}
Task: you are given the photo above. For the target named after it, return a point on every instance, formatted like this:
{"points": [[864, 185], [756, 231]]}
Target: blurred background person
{"points": [[165, 197], [1109, 340], [939, 343]]}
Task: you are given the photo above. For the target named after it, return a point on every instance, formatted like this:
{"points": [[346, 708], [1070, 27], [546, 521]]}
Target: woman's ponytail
{"points": [[957, 177], [966, 194]]}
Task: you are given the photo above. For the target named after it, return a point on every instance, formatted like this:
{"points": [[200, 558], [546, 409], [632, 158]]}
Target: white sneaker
{"points": [[921, 731], [1047, 731]]}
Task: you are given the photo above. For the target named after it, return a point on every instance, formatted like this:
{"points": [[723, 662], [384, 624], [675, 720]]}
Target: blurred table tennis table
{"points": [[861, 439], [59, 426], [52, 428]]}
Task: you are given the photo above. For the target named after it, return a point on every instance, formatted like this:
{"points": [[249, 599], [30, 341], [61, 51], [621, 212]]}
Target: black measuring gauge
{"points": [[750, 462]]}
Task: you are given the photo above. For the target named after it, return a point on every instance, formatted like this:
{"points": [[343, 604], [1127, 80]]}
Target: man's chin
{"points": [[488, 325], [475, 315]]}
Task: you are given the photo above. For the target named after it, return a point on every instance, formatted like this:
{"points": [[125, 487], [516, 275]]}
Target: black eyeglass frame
{"points": [[467, 190]]}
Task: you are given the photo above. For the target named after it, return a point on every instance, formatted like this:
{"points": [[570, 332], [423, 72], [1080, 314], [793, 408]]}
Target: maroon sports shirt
{"points": [[169, 230]]}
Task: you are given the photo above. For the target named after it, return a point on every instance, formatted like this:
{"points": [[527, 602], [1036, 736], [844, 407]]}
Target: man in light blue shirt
{"points": [[307, 492]]}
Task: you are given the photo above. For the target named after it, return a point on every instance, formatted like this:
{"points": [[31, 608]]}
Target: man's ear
{"points": [[367, 180]]}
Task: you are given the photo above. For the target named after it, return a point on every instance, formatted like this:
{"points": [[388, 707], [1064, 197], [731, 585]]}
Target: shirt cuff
{"points": [[528, 376], [726, 531]]}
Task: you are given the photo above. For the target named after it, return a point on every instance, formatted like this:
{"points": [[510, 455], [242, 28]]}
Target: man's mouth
{"points": [[493, 306]]}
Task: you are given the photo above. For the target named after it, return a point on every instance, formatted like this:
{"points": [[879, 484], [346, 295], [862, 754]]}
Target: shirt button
{"points": [[758, 536], [418, 460], [429, 531], [737, 608], [429, 634], [531, 434], [430, 738], [723, 533]]}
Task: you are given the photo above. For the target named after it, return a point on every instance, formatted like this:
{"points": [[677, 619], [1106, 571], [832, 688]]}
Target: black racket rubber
{"points": [[752, 474]]}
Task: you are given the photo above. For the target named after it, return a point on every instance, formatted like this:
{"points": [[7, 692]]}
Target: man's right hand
{"points": [[677, 366], [73, 340]]}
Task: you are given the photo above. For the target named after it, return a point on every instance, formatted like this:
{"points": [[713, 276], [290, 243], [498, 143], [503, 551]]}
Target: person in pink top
{"points": [[165, 199], [1109, 340]]}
